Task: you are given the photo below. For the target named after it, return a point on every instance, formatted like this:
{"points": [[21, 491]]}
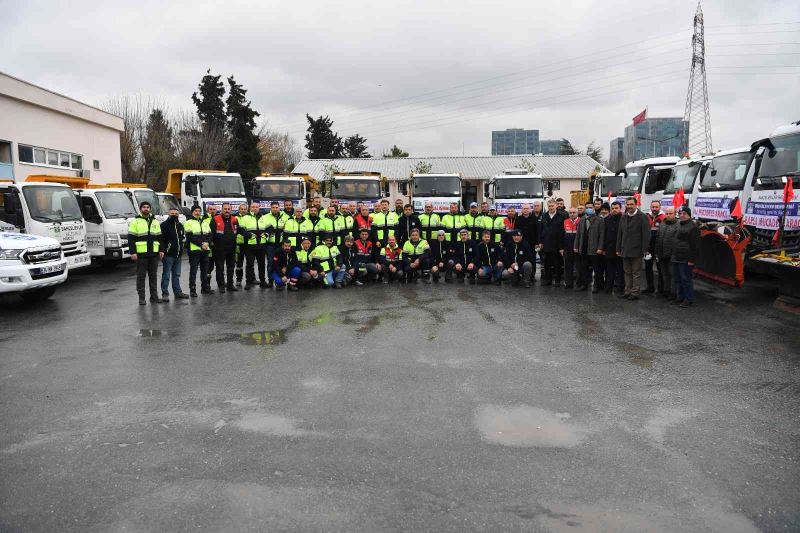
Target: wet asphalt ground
{"points": [[407, 408]]}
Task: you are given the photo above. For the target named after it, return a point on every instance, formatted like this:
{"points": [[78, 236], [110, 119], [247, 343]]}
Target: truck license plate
{"points": [[50, 269]]}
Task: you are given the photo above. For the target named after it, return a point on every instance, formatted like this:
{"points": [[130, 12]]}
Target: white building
{"points": [[42, 132], [566, 173]]}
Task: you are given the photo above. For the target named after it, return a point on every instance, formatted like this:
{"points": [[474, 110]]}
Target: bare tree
{"points": [[133, 110], [197, 147], [279, 151]]}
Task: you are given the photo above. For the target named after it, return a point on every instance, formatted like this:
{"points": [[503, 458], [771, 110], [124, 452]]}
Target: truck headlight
{"points": [[10, 254], [112, 240]]}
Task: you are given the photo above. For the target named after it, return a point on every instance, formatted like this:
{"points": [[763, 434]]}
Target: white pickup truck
{"points": [[30, 265]]}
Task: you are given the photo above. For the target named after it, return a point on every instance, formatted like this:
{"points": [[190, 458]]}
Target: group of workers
{"points": [[599, 245]]}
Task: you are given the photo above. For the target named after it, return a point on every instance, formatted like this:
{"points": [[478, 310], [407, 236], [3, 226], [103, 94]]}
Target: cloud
{"points": [[432, 77]]}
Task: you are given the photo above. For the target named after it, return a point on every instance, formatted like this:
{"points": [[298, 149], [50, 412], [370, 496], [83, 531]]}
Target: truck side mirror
{"points": [[549, 188], [8, 203], [485, 189]]}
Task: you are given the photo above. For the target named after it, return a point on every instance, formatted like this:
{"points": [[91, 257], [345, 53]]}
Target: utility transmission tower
{"points": [[697, 113]]}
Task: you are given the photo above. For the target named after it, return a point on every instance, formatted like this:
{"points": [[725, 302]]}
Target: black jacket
{"points": [[518, 253], [462, 252], [349, 257], [173, 237], [283, 259], [611, 223], [404, 227], [487, 254], [530, 228], [687, 242], [633, 239], [665, 239], [440, 251], [552, 232]]}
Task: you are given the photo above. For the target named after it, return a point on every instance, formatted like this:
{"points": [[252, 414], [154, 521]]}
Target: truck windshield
{"points": [[632, 180], [782, 161], [52, 204], [610, 184], [277, 190], [726, 173], [358, 189], [437, 186], [150, 197], [518, 188], [221, 186], [168, 202], [682, 177], [116, 204]]}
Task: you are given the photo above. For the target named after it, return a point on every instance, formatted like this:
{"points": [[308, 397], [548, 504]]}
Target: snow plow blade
{"points": [[722, 252]]}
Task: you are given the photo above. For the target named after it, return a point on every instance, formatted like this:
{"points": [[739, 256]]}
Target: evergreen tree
{"points": [[594, 151], [567, 149], [321, 141], [158, 150], [210, 106], [395, 152], [355, 146], [243, 153]]}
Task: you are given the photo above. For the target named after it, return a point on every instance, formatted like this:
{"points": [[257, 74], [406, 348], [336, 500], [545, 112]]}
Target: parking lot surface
{"points": [[400, 408]]}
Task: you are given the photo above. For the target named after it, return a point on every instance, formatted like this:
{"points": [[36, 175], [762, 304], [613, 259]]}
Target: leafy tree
{"points": [[594, 151], [527, 165], [321, 141], [355, 146], [567, 149], [210, 106], [158, 151], [243, 153], [395, 152], [421, 167]]}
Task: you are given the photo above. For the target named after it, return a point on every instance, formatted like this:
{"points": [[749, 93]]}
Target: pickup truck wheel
{"points": [[38, 295]]}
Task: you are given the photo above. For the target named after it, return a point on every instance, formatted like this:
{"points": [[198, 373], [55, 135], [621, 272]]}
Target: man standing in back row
{"points": [[633, 241], [224, 228]]}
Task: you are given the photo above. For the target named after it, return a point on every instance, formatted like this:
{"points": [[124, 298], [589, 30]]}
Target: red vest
{"points": [[363, 249], [510, 224], [655, 221], [392, 255], [571, 226], [218, 224]]}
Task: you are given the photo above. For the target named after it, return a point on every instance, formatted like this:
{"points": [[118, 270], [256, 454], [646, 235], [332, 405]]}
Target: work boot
{"points": [[157, 300], [269, 283], [263, 284], [427, 279], [248, 286], [222, 289], [238, 283], [206, 291], [686, 303], [165, 296], [359, 283], [232, 288], [142, 301], [337, 285], [292, 288], [193, 293], [182, 296], [527, 284]]}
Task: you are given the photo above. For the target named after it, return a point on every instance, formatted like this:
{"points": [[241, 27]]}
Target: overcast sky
{"points": [[435, 78]]}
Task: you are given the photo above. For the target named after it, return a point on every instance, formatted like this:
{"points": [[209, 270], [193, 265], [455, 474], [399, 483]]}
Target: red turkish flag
{"points": [[609, 198], [638, 197], [776, 239], [788, 191], [737, 210], [678, 199], [641, 117]]}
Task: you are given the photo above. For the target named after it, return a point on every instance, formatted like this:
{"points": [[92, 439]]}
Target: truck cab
{"points": [[606, 185], [30, 265], [777, 160], [366, 187], [647, 177], [514, 188], [47, 208], [204, 188], [440, 190], [269, 188], [723, 183], [686, 175], [108, 212], [168, 201]]}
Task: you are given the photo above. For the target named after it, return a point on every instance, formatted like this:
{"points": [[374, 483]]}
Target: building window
{"points": [[96, 164], [25, 154], [556, 185], [52, 158], [5, 152], [584, 185]]}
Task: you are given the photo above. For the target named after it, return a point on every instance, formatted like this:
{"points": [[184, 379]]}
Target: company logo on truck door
{"points": [[439, 205], [66, 231], [502, 207]]}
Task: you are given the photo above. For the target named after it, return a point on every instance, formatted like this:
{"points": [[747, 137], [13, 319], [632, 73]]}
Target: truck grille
{"points": [[762, 239], [42, 255]]}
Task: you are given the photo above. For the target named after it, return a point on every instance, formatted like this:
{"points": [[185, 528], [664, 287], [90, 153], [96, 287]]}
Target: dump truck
{"points": [[515, 187], [440, 190], [204, 188], [646, 178], [108, 212], [269, 188], [366, 187]]}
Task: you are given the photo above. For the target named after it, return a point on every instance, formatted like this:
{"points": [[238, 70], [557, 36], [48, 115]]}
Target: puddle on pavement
{"points": [[638, 355], [107, 290], [722, 362], [270, 424], [151, 333], [524, 426], [264, 338]]}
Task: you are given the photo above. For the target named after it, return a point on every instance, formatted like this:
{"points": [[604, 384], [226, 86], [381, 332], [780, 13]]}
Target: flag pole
{"points": [[783, 222]]}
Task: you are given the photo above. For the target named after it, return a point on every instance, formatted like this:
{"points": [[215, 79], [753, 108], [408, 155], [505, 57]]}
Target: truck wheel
{"points": [[38, 295]]}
